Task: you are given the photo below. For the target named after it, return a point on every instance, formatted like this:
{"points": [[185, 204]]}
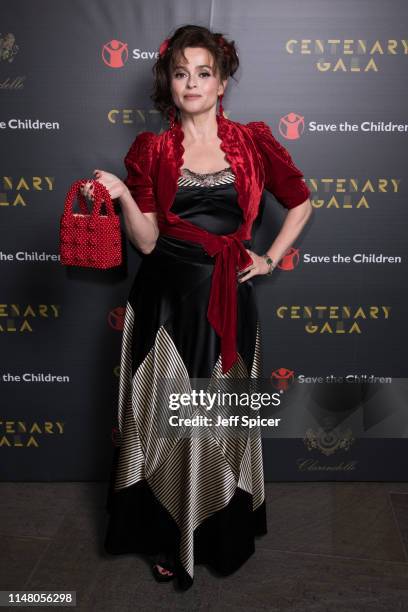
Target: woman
{"points": [[189, 202]]}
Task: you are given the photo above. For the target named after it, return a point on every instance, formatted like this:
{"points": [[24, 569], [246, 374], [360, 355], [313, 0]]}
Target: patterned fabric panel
{"points": [[209, 179], [192, 477]]}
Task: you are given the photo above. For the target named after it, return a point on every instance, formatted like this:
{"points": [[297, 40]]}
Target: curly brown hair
{"points": [[224, 53]]}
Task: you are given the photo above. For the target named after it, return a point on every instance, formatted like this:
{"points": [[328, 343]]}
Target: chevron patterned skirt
{"points": [[201, 499]]}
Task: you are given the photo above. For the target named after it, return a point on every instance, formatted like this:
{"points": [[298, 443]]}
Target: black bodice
{"points": [[209, 201]]}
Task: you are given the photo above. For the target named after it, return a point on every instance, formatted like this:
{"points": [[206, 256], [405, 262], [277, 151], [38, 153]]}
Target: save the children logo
{"points": [[116, 318], [290, 260], [115, 53], [282, 378], [291, 126]]}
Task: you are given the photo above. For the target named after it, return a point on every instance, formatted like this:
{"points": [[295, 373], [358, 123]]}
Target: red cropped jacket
{"points": [[258, 161]]}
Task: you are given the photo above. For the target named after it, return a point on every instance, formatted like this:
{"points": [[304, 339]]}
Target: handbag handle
{"points": [[101, 194]]}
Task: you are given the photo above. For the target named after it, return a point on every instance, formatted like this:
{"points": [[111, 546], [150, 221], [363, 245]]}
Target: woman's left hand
{"points": [[258, 266]]}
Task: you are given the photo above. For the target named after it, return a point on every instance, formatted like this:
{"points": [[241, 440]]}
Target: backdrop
{"points": [[329, 78]]}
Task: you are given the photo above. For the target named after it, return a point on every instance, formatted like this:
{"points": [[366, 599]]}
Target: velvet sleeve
{"points": [[138, 163], [282, 178]]}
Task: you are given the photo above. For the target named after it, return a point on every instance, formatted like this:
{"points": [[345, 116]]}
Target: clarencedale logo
{"points": [[115, 53], [116, 318], [328, 442], [291, 126], [282, 378], [8, 47]]}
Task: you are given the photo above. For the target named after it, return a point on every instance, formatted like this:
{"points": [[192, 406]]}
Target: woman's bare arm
{"points": [[142, 228], [296, 218]]}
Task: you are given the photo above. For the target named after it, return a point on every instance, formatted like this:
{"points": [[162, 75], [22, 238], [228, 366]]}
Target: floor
{"points": [[330, 547]]}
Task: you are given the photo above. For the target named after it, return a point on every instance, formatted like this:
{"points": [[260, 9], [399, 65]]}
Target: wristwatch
{"points": [[270, 262]]}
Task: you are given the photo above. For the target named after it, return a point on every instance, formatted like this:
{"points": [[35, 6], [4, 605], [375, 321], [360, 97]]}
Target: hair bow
{"points": [[164, 46], [223, 44]]}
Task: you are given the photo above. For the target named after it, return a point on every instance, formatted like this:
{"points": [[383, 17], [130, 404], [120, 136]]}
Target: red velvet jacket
{"points": [[258, 161]]}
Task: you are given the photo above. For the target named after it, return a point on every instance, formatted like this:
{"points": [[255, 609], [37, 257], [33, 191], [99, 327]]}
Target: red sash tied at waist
{"points": [[230, 257]]}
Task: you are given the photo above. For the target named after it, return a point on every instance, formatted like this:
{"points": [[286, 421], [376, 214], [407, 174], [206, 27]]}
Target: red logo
{"points": [[290, 260], [116, 318], [291, 126], [282, 378], [115, 53]]}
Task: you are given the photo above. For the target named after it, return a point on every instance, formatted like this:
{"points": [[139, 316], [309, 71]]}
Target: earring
{"points": [[172, 116], [220, 108]]}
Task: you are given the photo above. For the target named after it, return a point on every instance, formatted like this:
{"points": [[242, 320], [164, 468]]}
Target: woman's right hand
{"points": [[87, 190], [111, 182]]}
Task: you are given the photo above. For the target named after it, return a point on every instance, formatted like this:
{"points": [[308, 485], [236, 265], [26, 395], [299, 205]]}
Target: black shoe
{"points": [[162, 577]]}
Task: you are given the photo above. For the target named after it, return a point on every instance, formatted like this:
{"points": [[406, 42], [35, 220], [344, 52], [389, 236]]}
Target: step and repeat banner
{"points": [[329, 79]]}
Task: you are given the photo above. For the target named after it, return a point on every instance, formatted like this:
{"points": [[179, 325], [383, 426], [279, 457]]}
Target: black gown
{"points": [[200, 498]]}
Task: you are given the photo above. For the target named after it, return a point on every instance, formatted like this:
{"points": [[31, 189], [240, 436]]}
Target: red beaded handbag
{"points": [[91, 240]]}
